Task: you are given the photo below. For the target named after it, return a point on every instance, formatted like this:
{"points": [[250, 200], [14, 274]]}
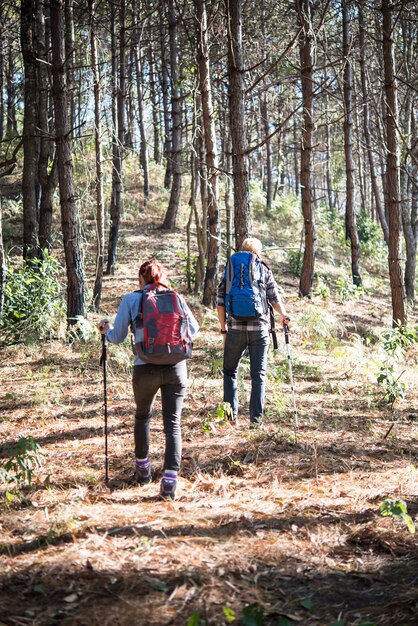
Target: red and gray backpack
{"points": [[162, 316]]}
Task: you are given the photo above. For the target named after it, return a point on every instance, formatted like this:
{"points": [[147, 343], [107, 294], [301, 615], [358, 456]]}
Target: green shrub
{"points": [[318, 330], [294, 258], [33, 304], [22, 459], [346, 290]]}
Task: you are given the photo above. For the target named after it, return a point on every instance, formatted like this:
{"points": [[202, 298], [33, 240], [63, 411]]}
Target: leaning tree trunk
{"points": [[30, 147], [211, 171], [170, 219], [69, 215], [242, 215], [100, 216], [306, 277], [350, 214], [399, 310]]}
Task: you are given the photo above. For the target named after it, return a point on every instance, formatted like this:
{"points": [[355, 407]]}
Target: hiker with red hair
{"points": [[153, 371]]}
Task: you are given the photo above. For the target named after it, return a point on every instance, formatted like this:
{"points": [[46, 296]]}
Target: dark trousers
{"points": [[171, 380], [257, 342]]}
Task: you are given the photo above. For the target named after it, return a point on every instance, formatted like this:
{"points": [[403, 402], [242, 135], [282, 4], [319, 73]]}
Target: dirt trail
{"points": [[265, 528]]}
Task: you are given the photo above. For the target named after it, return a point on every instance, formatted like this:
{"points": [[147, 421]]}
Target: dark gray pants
{"points": [[171, 380]]}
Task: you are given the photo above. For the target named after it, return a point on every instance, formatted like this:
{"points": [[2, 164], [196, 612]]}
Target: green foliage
{"points": [[222, 414], [253, 615], [346, 290], [370, 235], [33, 305], [294, 259], [397, 508], [322, 289], [317, 330], [23, 459], [396, 340], [229, 614], [394, 389], [195, 619]]}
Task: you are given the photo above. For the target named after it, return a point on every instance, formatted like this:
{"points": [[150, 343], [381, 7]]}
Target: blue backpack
{"points": [[245, 291]]}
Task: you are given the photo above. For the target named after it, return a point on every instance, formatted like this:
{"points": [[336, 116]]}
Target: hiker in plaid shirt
{"points": [[254, 335]]}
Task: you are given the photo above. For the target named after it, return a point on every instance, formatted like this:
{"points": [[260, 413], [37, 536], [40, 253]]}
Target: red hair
{"points": [[153, 272]]}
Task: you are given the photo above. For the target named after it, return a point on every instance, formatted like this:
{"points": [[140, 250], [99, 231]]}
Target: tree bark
{"points": [[366, 127], [155, 105], [48, 176], [118, 117], [350, 213], [69, 215], [211, 171], [242, 215], [170, 219], [165, 90], [30, 141], [100, 216], [305, 47], [399, 310], [143, 153]]}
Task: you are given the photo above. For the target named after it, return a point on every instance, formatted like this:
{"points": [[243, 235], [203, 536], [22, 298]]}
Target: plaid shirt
{"points": [[272, 295]]}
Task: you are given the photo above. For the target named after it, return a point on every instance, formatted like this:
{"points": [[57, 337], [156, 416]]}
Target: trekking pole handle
{"points": [[104, 351], [286, 329]]}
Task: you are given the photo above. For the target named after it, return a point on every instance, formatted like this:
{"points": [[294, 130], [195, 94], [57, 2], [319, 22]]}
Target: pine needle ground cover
{"points": [[271, 526]]}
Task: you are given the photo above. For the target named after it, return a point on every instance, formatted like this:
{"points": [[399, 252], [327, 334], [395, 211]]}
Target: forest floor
{"points": [[270, 526]]}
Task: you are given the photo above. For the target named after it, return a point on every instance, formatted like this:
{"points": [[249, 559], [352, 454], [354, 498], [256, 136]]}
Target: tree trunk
{"points": [[166, 100], [305, 45], [2, 38], [408, 179], [394, 206], [155, 105], [170, 219], [100, 216], [210, 164], [268, 171], [30, 141], [11, 123], [118, 116], [48, 176], [350, 214], [366, 127], [70, 63], [143, 154], [69, 215], [242, 215]]}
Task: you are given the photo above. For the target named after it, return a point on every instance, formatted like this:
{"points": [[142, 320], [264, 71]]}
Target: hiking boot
{"points": [[256, 422], [168, 487], [142, 472]]}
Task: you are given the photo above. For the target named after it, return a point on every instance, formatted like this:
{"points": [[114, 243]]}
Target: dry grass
{"points": [[290, 525]]}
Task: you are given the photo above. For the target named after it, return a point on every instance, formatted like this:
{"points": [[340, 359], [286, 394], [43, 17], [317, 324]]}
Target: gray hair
{"points": [[252, 244]]}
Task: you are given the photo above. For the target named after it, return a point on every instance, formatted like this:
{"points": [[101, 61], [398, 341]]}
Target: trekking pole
{"points": [[289, 360], [103, 360]]}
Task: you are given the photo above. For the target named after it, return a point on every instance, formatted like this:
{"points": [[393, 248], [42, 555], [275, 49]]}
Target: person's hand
{"points": [[285, 320], [103, 326]]}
